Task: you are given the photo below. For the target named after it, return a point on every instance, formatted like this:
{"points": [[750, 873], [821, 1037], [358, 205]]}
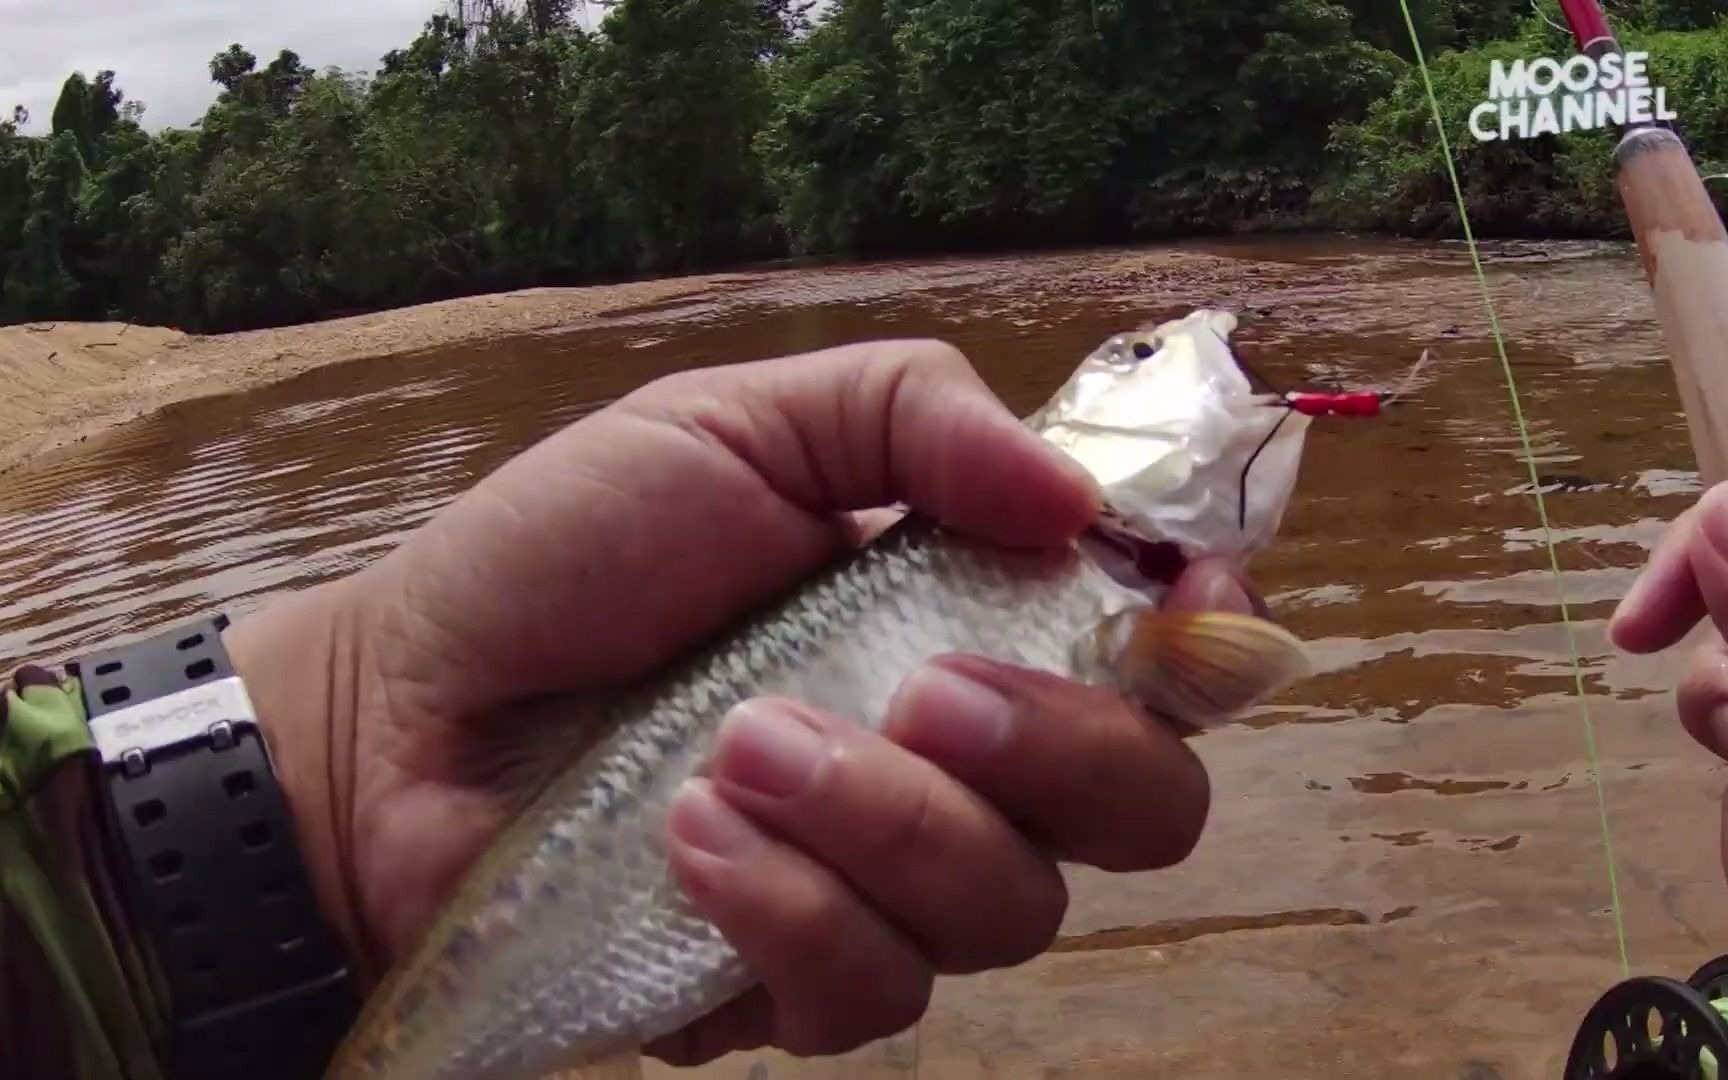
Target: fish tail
{"points": [[1200, 668]]}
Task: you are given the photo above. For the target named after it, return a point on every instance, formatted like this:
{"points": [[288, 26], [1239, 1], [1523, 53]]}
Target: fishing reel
{"points": [[1655, 1028]]}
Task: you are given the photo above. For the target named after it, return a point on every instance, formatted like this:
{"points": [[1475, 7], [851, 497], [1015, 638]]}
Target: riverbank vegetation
{"points": [[506, 147]]}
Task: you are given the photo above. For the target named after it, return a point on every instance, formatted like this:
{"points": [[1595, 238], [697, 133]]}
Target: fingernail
{"points": [[768, 748], [949, 714], [702, 820]]}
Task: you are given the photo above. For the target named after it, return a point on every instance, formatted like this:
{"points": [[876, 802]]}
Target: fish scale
{"points": [[571, 944], [614, 955]]}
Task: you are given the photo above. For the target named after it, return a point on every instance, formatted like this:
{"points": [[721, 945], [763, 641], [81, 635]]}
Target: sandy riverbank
{"points": [[67, 381]]}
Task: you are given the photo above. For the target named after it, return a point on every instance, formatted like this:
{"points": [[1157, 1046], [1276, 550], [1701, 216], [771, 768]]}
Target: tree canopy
{"points": [[505, 146]]}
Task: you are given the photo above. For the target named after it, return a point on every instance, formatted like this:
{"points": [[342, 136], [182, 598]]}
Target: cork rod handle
{"points": [[1685, 253]]}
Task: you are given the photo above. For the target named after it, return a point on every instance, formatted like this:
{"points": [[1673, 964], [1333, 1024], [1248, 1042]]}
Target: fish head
{"points": [[1167, 422]]}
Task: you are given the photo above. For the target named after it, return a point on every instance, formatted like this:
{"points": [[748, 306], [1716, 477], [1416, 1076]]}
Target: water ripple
{"points": [[1432, 555]]}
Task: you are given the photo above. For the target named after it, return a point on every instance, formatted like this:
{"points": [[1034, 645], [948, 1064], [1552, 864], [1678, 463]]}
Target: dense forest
{"points": [[505, 146]]}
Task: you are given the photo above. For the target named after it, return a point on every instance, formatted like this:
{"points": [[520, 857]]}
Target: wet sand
{"points": [[73, 380], [1403, 875]]}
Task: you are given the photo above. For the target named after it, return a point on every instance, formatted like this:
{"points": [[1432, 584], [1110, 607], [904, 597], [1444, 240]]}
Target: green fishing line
{"points": [[1536, 487]]}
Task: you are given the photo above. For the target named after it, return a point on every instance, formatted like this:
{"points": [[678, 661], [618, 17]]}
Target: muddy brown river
{"points": [[1404, 872]]}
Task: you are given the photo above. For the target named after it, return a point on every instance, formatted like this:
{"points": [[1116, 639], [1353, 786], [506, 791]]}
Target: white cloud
{"points": [[160, 50]]}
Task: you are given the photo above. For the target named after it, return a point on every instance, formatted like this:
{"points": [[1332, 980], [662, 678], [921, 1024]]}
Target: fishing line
{"points": [[1536, 489], [1536, 6]]}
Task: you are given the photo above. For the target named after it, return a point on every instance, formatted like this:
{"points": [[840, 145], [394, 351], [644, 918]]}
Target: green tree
{"points": [[229, 67], [1680, 14], [1391, 174], [87, 110], [15, 194], [505, 146], [834, 149], [116, 252], [666, 116], [41, 283], [1009, 117], [71, 108]]}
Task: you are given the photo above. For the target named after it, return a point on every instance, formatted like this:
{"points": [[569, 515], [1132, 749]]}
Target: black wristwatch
{"points": [[257, 984]]}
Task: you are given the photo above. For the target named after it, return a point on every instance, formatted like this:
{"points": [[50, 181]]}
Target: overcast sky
{"points": [[160, 49]]}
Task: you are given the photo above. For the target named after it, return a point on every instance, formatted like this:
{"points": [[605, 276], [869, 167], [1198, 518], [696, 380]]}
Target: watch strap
{"points": [[257, 984]]}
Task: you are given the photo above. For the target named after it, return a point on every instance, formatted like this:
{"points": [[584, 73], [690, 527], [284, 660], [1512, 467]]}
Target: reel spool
{"points": [[1654, 1028]]}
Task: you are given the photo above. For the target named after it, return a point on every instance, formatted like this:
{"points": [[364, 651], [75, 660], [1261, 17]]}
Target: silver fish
{"points": [[569, 945]]}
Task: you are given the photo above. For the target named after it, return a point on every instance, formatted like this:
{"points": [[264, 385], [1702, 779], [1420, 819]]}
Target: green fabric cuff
{"points": [[44, 727], [75, 994]]}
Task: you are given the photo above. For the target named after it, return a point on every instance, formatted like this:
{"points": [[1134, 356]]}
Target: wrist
{"points": [[300, 658], [226, 868]]}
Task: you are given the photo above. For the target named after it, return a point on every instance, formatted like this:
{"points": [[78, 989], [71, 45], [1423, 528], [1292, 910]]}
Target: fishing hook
{"points": [[1341, 403], [1410, 379], [1253, 376]]}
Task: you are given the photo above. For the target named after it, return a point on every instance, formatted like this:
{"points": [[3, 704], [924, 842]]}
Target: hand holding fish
{"points": [[408, 704]]}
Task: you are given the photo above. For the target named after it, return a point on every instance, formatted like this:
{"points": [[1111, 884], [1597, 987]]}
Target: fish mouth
{"points": [[1134, 561], [1147, 566]]}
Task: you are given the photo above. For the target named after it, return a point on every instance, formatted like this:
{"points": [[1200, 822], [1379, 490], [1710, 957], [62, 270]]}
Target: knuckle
{"points": [[910, 829], [935, 353], [814, 921], [670, 387], [900, 370]]}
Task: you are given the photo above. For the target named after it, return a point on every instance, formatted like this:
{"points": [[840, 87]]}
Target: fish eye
{"points": [[1132, 348]]}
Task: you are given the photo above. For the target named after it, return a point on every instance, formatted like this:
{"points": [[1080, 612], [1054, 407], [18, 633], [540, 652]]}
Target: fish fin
{"points": [[624, 1066], [1202, 668]]}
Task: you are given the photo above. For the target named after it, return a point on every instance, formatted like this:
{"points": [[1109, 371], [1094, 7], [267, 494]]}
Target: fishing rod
{"points": [[1685, 252], [1653, 1027]]}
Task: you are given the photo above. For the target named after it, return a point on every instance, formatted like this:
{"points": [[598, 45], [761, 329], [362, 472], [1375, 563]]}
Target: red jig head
{"points": [[1354, 402], [1358, 403], [1314, 403]]}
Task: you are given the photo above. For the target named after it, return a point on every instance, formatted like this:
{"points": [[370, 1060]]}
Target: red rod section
{"points": [[1587, 21]]}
